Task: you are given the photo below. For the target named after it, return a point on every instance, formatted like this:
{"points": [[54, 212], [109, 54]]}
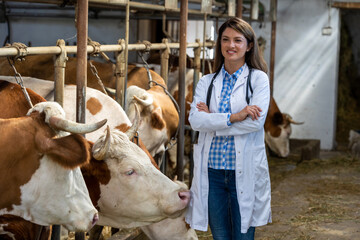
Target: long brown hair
{"points": [[253, 58]]}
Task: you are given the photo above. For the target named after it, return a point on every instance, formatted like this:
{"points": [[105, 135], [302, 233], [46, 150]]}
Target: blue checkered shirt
{"points": [[222, 150]]}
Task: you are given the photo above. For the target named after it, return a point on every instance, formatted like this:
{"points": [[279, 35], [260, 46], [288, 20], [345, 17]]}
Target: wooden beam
{"points": [[346, 5]]}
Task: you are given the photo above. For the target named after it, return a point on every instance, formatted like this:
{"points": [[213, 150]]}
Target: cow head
{"points": [[40, 161], [132, 192], [153, 127], [277, 130]]}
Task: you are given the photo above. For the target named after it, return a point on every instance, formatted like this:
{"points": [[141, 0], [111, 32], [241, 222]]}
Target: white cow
{"points": [[40, 174]]}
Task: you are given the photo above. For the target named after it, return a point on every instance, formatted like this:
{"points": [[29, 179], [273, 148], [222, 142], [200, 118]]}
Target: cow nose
{"points": [[184, 196], [95, 219]]}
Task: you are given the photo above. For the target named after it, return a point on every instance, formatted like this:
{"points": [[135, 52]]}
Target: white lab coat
{"points": [[252, 172]]}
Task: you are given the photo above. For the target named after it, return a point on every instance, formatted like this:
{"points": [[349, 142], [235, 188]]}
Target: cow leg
{"points": [[95, 232]]}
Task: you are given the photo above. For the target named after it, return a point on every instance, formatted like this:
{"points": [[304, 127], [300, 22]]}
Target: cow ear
{"points": [[156, 119], [277, 118], [70, 151]]}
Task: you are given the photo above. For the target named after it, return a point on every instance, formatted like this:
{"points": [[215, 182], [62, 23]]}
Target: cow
{"points": [[160, 119], [278, 130], [163, 113], [354, 143], [40, 164], [125, 211]]}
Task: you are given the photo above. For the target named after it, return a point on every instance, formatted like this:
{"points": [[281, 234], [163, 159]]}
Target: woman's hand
{"points": [[252, 111], [202, 107]]}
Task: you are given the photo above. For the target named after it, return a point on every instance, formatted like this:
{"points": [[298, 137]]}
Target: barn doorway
{"points": [[348, 105]]}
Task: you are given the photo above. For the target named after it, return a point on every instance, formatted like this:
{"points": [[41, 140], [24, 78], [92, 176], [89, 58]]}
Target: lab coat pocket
{"points": [[197, 154], [262, 180]]}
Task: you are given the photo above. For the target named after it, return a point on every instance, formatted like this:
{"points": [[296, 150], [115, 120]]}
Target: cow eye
{"points": [[130, 172]]}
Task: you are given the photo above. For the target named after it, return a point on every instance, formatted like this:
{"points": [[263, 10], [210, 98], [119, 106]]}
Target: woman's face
{"points": [[233, 46]]}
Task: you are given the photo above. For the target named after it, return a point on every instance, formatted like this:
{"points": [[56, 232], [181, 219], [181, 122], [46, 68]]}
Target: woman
{"points": [[231, 184]]}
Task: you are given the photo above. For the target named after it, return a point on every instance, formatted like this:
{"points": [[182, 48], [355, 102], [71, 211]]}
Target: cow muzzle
{"points": [[84, 225]]}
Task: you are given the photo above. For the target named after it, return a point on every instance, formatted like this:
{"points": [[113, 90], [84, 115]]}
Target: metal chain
{"points": [[95, 73], [20, 81], [167, 93]]}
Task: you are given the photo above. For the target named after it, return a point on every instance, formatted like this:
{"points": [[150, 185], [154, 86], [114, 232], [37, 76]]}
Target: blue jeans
{"points": [[224, 213]]}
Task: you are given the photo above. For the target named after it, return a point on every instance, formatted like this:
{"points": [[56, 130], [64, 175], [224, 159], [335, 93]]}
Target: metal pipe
{"points": [[273, 9], [204, 40], [120, 75], [81, 64], [164, 62], [133, 5], [59, 73], [12, 51], [239, 6], [182, 73], [126, 54]]}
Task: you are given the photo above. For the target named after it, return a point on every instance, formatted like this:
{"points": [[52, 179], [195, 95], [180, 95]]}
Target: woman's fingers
{"points": [[254, 112], [202, 107]]}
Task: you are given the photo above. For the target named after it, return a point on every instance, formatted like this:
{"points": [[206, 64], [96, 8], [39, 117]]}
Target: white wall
{"points": [[195, 30], [306, 68]]}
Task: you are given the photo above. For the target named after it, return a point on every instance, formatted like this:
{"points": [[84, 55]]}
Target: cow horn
{"points": [[110, 91], [134, 127], [289, 118], [99, 153], [145, 102], [74, 127]]}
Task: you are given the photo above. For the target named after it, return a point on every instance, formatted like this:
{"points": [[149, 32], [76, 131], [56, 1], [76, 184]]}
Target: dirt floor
{"points": [[313, 200]]}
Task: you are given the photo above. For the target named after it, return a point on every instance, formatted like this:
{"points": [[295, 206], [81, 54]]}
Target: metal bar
{"points": [[182, 73], [12, 51], [126, 54], [197, 66], [273, 9], [204, 40], [239, 6], [55, 233], [346, 5], [164, 62], [120, 75], [59, 73], [133, 5], [254, 9], [81, 64]]}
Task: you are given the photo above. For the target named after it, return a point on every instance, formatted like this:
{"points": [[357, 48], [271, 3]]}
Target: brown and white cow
{"points": [[115, 174], [156, 133], [159, 116], [278, 130], [40, 164]]}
